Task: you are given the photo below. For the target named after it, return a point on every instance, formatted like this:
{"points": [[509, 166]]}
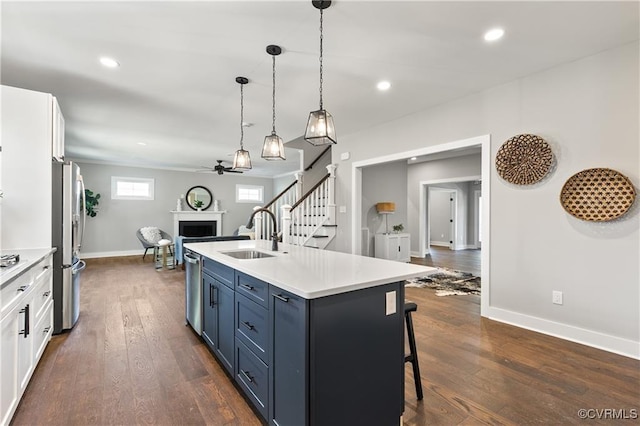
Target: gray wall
{"points": [[588, 111], [384, 182], [112, 231]]}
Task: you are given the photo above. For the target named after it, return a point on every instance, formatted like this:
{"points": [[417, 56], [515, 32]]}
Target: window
{"points": [[126, 188], [249, 193]]}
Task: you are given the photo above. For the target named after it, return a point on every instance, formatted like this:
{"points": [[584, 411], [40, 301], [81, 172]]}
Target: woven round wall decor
{"points": [[524, 159], [597, 195]]}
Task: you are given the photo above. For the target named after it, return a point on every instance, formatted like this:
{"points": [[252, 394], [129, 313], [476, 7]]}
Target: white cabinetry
{"points": [[32, 134], [393, 247], [57, 131], [26, 325]]}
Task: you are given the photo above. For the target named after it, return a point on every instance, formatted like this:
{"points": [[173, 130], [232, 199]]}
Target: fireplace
{"points": [[197, 224], [197, 228]]}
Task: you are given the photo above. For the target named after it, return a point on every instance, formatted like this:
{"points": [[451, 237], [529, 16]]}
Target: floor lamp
{"points": [[386, 208]]}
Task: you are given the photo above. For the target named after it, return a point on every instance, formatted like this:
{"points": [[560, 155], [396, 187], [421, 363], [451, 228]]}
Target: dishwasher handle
{"points": [[191, 258]]}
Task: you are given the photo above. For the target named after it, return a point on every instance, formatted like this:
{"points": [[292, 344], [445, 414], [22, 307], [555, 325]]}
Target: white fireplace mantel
{"points": [[191, 216]]}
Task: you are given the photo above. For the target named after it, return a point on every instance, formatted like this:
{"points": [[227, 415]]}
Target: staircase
{"points": [[308, 221]]}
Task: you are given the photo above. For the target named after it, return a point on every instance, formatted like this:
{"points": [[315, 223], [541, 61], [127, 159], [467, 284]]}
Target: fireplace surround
{"points": [[198, 222]]}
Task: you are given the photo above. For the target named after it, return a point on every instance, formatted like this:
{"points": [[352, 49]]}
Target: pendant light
{"points": [[241, 159], [273, 148], [320, 129]]}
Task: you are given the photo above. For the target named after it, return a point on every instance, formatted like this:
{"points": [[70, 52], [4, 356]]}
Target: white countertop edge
{"points": [[263, 268], [28, 258]]}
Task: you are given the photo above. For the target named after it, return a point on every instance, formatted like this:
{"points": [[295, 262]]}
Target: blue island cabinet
{"points": [[327, 361], [218, 310], [338, 360]]}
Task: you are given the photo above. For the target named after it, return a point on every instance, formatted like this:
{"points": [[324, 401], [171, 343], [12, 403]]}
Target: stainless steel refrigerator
{"points": [[69, 218]]}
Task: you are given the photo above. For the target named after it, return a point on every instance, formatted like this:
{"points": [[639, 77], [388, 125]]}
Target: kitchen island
{"points": [[312, 337]]}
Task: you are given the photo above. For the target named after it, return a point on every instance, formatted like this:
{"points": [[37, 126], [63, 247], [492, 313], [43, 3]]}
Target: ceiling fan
{"points": [[219, 168]]}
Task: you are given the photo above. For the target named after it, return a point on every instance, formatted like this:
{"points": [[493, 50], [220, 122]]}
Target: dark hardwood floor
{"points": [[131, 360]]}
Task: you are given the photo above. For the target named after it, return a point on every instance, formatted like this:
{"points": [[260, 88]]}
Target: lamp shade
{"points": [[386, 207], [242, 160], [273, 148], [320, 129]]}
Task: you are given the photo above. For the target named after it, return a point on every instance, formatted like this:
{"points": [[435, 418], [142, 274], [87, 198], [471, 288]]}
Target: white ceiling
{"points": [[176, 92]]}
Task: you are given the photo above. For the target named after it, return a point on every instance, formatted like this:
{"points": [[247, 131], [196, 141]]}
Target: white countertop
{"points": [[28, 258], [308, 272]]}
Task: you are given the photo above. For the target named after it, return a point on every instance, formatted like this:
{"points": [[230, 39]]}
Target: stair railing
{"points": [[288, 196], [315, 208]]}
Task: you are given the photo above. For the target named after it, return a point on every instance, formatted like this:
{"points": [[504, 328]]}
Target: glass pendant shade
{"points": [[320, 129], [242, 160], [273, 148]]}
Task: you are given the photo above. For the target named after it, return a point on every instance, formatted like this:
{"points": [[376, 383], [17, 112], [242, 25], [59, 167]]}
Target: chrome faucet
{"points": [[274, 235]]}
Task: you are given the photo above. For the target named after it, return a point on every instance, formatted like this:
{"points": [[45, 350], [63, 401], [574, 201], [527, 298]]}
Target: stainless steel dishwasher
{"points": [[193, 290]]}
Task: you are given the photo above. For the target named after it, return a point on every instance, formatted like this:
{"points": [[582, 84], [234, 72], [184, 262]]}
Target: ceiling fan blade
{"points": [[233, 171]]}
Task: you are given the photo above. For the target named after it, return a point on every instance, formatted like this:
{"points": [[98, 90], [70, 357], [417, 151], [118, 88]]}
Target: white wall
{"points": [[588, 111], [112, 231]]}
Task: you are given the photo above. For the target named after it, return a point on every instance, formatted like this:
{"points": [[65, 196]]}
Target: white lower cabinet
{"points": [[25, 329], [393, 247]]}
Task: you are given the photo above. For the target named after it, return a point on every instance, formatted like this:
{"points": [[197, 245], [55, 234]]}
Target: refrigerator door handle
{"points": [[82, 214]]}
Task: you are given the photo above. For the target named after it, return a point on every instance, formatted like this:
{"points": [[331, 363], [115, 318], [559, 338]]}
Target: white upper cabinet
{"points": [[26, 174], [57, 131]]}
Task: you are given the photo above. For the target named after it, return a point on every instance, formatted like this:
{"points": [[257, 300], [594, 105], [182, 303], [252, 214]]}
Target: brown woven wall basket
{"points": [[524, 159], [597, 195]]}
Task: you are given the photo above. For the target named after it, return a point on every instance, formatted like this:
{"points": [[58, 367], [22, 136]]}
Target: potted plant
{"points": [[91, 202], [198, 204], [398, 228]]}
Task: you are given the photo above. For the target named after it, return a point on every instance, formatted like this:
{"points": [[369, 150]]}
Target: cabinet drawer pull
{"points": [[248, 287], [212, 293], [45, 267], [46, 293], [46, 330], [281, 297], [248, 325], [246, 374], [25, 331], [23, 288]]}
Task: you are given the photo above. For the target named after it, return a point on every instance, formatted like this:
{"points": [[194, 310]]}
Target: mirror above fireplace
{"points": [[199, 197]]}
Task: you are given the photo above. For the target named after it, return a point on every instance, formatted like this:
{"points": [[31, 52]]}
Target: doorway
{"points": [[484, 143], [441, 217]]}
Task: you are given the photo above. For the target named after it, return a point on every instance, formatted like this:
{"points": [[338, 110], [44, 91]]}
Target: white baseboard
{"points": [[416, 254], [99, 254], [591, 338], [440, 243]]}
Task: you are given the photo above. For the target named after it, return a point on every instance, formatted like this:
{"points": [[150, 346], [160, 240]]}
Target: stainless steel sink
{"points": [[247, 254]]}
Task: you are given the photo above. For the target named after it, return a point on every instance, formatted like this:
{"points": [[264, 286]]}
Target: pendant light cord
{"points": [[321, 37], [241, 116], [273, 121]]}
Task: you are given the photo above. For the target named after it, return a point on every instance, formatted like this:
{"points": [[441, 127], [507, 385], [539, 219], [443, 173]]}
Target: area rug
{"points": [[447, 282]]}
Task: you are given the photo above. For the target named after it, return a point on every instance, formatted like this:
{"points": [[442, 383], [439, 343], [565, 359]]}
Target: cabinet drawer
{"points": [[253, 288], [42, 267], [221, 272], [42, 293], [42, 331], [252, 376], [10, 294], [252, 326]]}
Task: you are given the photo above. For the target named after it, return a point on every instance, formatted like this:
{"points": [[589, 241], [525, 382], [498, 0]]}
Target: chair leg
{"points": [[413, 356], [145, 253]]}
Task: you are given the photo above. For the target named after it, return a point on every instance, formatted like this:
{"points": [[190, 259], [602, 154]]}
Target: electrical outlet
{"points": [[557, 297]]}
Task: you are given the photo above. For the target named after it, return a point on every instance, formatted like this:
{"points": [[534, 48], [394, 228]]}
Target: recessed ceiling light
{"points": [[494, 34], [142, 144], [109, 62], [414, 158], [245, 124], [383, 85]]}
